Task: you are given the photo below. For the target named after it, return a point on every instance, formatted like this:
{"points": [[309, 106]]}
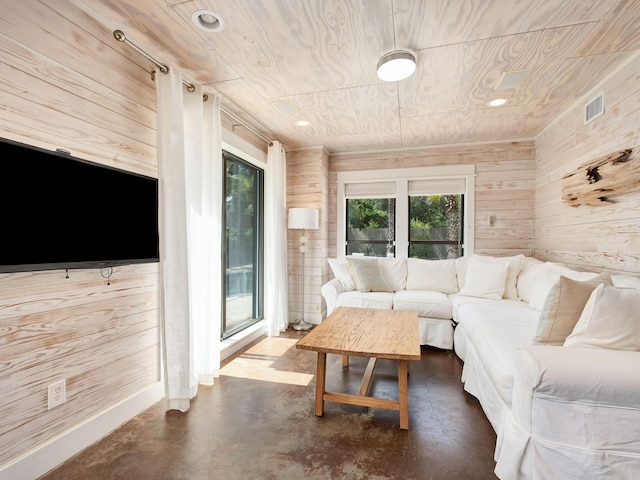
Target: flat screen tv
{"points": [[62, 212]]}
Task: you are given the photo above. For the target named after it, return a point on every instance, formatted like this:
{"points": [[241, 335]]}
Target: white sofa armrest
{"points": [[575, 414], [331, 292], [588, 375]]}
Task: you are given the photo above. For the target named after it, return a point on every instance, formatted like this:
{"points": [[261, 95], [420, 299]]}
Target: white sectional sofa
{"points": [[552, 354]]}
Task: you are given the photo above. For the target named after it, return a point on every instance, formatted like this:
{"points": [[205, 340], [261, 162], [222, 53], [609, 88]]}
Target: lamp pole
{"points": [[302, 325]]}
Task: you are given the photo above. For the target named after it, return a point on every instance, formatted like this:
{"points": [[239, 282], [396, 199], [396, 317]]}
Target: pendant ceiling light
{"points": [[396, 65]]}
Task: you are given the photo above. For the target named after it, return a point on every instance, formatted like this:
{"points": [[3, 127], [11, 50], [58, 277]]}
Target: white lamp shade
{"points": [[396, 66], [306, 218]]}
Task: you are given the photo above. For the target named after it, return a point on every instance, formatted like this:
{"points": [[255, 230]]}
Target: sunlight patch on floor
{"points": [[260, 363]]}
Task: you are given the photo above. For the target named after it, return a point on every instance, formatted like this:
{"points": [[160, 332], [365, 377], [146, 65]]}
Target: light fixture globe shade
{"points": [[395, 66]]}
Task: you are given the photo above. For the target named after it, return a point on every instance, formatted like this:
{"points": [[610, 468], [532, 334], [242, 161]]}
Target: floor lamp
{"points": [[304, 219]]}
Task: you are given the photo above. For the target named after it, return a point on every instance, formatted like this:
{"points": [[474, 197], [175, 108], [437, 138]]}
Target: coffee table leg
{"points": [[403, 388], [321, 371]]}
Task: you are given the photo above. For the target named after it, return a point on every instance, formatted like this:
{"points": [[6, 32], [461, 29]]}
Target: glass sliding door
{"points": [[243, 279]]}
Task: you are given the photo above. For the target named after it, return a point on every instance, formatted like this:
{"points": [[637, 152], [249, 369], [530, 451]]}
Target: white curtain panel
{"points": [[190, 186], [276, 284], [203, 175]]}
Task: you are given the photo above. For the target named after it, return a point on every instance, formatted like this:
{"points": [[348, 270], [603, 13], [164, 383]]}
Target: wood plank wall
{"points": [[604, 237], [66, 83], [505, 174], [307, 186]]}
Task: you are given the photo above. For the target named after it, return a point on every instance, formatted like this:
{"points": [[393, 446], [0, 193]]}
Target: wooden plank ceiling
{"points": [[321, 56]]}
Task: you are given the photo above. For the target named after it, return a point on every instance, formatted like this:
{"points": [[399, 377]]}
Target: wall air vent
{"points": [[594, 108]]}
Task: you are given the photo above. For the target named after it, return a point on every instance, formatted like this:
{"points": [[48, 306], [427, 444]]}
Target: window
{"points": [[435, 226], [243, 279], [424, 212], [371, 226]]}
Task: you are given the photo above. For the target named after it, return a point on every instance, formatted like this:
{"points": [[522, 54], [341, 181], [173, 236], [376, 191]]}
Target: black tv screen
{"points": [[60, 212]]}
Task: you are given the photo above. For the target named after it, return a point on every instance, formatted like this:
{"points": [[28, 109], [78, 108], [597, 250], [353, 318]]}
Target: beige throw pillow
{"points": [[367, 275], [562, 308]]}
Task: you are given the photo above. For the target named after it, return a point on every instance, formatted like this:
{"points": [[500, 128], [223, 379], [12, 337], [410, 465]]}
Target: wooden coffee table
{"points": [[370, 333]]}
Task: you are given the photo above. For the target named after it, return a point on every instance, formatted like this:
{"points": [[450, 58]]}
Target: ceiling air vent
{"points": [[512, 79], [594, 108]]}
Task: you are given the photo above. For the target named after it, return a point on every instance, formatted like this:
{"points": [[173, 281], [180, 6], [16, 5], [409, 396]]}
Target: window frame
{"points": [[402, 177]]}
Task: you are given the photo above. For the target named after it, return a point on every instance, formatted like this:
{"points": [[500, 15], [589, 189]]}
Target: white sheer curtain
{"points": [[189, 166], [277, 302]]}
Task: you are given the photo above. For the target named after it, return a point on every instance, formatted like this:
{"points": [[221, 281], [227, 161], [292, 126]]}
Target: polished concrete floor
{"points": [[258, 422]]}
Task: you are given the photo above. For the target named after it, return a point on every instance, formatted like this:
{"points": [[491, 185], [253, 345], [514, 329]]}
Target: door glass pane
{"points": [[435, 226], [243, 252], [371, 226]]}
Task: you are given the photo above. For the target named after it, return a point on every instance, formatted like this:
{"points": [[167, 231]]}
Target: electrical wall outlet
{"points": [[57, 394]]}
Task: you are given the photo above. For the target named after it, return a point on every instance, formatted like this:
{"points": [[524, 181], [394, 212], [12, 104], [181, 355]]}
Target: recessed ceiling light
{"points": [[208, 20], [498, 102], [302, 123]]}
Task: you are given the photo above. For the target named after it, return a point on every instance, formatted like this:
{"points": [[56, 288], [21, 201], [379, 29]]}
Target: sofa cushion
{"points": [[379, 300], [484, 279], [493, 333], [427, 303], [367, 275], [563, 307], [436, 275], [458, 300], [609, 320]]}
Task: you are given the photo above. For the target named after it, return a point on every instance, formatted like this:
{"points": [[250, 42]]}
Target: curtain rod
{"points": [[121, 37]]}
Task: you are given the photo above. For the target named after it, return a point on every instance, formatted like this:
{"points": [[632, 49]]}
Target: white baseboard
{"points": [[43, 458], [241, 339]]}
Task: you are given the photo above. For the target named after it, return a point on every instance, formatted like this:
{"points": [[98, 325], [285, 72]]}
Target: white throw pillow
{"points": [[394, 271], [609, 320], [485, 279], [527, 277], [514, 264], [461, 270], [342, 273], [434, 275]]}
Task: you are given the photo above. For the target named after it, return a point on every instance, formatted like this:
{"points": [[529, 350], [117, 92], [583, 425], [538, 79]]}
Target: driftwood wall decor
{"points": [[594, 182]]}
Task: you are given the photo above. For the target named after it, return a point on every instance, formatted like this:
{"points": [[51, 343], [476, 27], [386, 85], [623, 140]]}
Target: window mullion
{"points": [[402, 218]]}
